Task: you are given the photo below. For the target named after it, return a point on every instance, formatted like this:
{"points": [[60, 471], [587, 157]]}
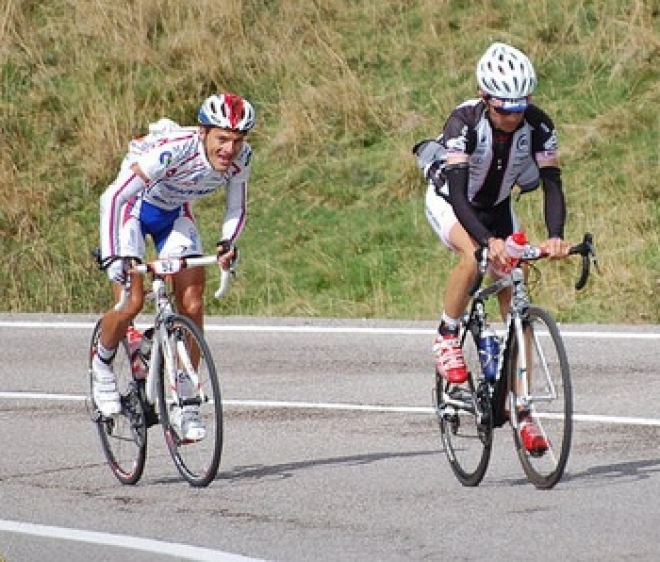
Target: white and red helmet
{"points": [[506, 73], [227, 111]]}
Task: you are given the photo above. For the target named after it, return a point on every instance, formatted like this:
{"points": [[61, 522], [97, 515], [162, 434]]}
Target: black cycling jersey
{"points": [[498, 160]]}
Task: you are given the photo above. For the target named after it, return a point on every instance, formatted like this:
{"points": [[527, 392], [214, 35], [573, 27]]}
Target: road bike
{"points": [[532, 375], [173, 349]]}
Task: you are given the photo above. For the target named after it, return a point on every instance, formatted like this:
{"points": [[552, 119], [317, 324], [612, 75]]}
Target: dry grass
{"points": [[342, 89]]}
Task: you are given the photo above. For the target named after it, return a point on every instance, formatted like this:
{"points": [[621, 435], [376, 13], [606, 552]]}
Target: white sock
{"points": [[450, 323], [105, 355]]}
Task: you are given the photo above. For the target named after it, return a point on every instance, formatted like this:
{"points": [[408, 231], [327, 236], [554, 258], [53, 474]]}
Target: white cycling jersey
{"points": [[173, 159]]}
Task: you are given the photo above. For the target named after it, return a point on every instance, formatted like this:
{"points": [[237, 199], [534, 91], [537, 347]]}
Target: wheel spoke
{"points": [[197, 460], [549, 396], [124, 436], [465, 420]]}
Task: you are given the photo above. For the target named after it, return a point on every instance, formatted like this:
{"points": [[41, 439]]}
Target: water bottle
{"points": [[514, 246], [138, 365], [489, 353]]}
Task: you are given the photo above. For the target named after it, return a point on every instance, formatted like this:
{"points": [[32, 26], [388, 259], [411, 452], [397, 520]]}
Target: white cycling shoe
{"points": [[188, 423], [104, 388]]}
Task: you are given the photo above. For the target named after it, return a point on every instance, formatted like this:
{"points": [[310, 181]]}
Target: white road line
{"points": [[172, 550], [204, 554], [284, 405], [323, 330]]}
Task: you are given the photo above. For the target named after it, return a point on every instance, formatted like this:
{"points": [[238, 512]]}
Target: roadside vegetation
{"points": [[343, 89]]}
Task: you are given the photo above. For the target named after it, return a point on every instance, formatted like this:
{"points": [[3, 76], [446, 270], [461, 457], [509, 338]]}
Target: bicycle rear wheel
{"points": [[124, 436], [550, 398], [465, 418], [197, 461]]}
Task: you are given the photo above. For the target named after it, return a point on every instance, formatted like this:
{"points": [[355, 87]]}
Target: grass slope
{"points": [[342, 89]]}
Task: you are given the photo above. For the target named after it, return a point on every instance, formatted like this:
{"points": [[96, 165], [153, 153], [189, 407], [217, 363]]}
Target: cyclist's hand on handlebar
{"points": [[555, 248], [227, 252], [497, 252], [118, 269]]}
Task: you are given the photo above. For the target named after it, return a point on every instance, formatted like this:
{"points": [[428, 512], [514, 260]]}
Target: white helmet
{"points": [[506, 73], [227, 111]]}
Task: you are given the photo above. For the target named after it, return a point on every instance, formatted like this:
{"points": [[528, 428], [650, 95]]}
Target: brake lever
{"points": [[587, 250], [588, 239]]}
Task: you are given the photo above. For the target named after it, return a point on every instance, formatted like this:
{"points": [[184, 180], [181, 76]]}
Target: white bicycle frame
{"points": [[519, 301], [161, 343]]}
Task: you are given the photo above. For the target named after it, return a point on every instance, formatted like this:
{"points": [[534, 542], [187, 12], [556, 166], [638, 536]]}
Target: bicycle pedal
{"points": [[151, 417], [537, 453], [446, 409]]}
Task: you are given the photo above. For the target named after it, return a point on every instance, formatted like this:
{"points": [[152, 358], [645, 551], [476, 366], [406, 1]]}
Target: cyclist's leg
{"points": [[183, 240], [505, 222], [446, 347], [116, 322], [444, 223], [461, 276], [189, 294], [107, 390]]}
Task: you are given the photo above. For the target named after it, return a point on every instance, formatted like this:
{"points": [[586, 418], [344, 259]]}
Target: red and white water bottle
{"points": [[514, 246], [134, 339]]}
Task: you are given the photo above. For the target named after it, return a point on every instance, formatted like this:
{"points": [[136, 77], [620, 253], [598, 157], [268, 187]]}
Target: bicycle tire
{"points": [[197, 461], [466, 430], [550, 399], [124, 436]]}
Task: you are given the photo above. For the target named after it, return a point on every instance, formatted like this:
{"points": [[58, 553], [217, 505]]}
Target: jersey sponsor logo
{"points": [[165, 158], [522, 143], [458, 143], [551, 144]]}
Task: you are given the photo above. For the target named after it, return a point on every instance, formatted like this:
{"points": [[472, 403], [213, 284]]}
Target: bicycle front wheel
{"points": [[549, 398], [465, 418], [123, 436], [197, 460]]}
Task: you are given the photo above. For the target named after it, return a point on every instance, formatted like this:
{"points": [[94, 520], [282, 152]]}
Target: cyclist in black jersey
{"points": [[488, 145]]}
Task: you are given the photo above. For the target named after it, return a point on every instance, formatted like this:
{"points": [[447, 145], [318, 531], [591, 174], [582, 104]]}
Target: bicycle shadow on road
{"points": [[595, 476], [615, 473], [287, 470]]}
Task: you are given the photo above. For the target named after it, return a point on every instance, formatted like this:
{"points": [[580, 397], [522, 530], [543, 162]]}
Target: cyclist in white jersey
{"points": [[487, 146], [160, 177]]}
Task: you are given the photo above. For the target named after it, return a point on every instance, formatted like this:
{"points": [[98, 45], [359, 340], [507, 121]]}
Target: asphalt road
{"points": [[331, 453]]}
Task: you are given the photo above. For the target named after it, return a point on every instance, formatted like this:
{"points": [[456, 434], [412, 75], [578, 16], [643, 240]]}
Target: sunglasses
{"points": [[498, 106], [505, 112]]}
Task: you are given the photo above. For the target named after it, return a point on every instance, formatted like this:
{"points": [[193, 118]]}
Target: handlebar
{"points": [[586, 249], [169, 266]]}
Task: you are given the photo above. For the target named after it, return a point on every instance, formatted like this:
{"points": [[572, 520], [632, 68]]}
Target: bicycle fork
{"points": [[529, 346], [178, 363]]}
